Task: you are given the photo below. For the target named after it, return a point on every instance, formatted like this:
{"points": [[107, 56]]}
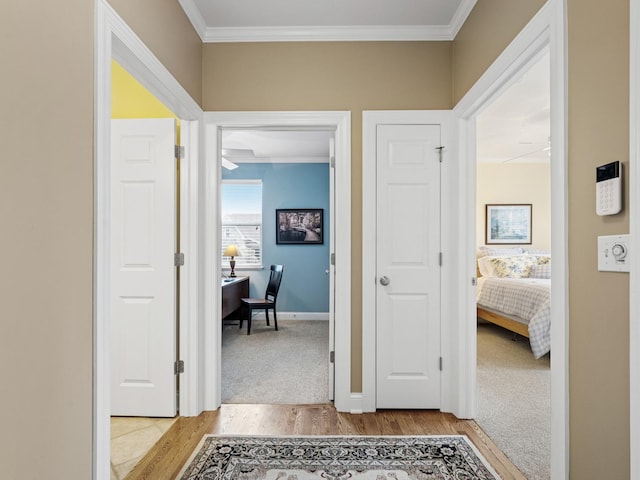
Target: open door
{"points": [[143, 279]]}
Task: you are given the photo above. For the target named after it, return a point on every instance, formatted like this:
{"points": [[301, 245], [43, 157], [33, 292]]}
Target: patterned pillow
{"points": [[517, 266], [542, 259], [537, 251], [540, 271]]}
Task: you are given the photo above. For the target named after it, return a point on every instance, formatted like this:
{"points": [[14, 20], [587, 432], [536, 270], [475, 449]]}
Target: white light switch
{"points": [[613, 253]]}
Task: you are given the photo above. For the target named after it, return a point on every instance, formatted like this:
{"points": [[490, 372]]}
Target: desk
{"points": [[233, 289]]}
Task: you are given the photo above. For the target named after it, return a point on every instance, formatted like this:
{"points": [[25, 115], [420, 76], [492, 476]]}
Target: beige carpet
{"points": [[289, 366], [514, 399]]}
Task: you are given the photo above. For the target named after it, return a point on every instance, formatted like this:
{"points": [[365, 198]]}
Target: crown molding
{"points": [[350, 33], [326, 34]]}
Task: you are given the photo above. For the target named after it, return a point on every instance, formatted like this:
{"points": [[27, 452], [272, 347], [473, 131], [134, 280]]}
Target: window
{"points": [[242, 221]]}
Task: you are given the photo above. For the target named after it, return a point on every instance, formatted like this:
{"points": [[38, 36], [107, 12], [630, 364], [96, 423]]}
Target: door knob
{"points": [[384, 281]]}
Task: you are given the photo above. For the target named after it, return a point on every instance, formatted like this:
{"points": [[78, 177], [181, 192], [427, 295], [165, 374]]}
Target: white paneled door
{"points": [[143, 278], [408, 267]]}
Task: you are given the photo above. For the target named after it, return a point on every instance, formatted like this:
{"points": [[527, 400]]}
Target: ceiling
{"points": [[326, 20], [516, 128], [277, 146]]}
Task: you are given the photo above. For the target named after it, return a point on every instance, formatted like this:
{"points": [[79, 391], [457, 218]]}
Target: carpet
{"points": [[514, 400], [289, 366], [337, 458]]}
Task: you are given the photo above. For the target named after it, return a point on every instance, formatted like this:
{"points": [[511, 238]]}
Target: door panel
{"points": [[143, 328], [408, 246]]}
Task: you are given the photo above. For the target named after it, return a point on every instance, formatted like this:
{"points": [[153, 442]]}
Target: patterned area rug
{"points": [[337, 458]]}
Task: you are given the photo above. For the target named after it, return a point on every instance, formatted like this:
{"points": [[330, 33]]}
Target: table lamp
{"points": [[231, 251]]}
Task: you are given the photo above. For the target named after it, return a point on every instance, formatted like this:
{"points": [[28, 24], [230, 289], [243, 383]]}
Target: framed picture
{"points": [[303, 226], [508, 224]]}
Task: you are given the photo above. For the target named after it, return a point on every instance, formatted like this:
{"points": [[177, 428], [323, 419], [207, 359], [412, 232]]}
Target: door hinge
{"points": [[178, 367], [440, 149], [332, 356], [440, 363], [440, 258], [333, 259], [474, 281], [178, 259], [179, 152]]}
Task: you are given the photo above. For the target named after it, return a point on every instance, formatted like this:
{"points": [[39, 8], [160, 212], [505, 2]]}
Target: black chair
{"points": [[266, 303]]}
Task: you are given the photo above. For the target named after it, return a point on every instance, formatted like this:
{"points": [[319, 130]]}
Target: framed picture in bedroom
{"points": [[302, 226], [508, 224]]}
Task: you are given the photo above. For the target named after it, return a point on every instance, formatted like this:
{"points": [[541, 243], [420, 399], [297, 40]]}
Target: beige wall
{"points": [[165, 29], [331, 76], [491, 26], [598, 301], [516, 183], [598, 95], [46, 210]]}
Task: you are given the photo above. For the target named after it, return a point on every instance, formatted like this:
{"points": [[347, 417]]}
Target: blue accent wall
{"points": [[305, 285]]}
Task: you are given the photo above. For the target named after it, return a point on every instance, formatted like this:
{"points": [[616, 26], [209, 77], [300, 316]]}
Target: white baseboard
{"points": [[259, 315]]}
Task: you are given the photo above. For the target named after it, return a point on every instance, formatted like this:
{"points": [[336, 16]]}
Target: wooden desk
{"points": [[233, 289]]}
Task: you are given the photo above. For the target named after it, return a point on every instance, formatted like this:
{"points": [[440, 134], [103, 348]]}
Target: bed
{"points": [[513, 292]]}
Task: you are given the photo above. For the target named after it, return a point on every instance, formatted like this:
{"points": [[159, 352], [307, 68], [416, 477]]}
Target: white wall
{"points": [[516, 183]]}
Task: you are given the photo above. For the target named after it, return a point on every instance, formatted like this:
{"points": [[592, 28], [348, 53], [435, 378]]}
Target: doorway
{"points": [[267, 174], [115, 41], [338, 122], [513, 366], [545, 30]]}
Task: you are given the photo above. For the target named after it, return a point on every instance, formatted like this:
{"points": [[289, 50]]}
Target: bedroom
{"points": [[513, 178]]}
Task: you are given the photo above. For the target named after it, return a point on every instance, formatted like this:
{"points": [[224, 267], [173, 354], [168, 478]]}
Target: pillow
{"points": [[499, 251], [516, 266], [540, 271], [537, 251], [542, 259]]}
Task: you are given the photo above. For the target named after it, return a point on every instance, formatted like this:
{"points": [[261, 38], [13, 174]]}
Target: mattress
{"points": [[526, 298]]}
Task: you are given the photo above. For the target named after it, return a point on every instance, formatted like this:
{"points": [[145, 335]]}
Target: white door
{"points": [[143, 278], [408, 267]]}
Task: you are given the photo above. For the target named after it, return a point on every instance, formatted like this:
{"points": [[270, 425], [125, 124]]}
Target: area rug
{"points": [[337, 458]]}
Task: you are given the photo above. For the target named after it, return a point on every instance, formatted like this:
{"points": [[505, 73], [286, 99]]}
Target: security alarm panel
{"points": [[609, 188]]}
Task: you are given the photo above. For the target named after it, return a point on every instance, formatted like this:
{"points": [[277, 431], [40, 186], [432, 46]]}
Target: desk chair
{"points": [[266, 303]]}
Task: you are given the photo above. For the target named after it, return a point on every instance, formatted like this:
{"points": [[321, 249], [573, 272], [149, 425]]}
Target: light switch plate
{"points": [[613, 253]]}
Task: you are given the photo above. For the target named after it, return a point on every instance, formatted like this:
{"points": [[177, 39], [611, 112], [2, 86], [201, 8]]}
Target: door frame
{"points": [[547, 28], [115, 40], [450, 346], [214, 123], [634, 230]]}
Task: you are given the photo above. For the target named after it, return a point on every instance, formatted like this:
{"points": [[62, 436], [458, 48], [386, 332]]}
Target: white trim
{"points": [[370, 120], [355, 402], [306, 316], [281, 160], [343, 33], [214, 122], [114, 39], [548, 27], [634, 229]]}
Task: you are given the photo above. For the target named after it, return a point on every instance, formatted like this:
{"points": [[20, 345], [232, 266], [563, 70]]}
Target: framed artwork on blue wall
{"points": [[301, 226]]}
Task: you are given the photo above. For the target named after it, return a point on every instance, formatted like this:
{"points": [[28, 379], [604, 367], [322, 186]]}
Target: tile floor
{"points": [[131, 439]]}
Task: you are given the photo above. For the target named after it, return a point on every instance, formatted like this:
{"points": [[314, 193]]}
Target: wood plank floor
{"points": [[167, 457]]}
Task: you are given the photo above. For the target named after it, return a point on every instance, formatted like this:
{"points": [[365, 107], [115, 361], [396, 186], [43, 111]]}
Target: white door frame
{"points": [[214, 122], [114, 39], [546, 28], [634, 229], [450, 346]]}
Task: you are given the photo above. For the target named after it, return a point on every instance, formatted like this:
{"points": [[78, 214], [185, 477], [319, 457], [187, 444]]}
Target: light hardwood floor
{"points": [[167, 457]]}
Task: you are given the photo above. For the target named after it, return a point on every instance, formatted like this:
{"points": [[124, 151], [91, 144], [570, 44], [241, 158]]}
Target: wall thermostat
{"points": [[613, 253], [609, 188]]}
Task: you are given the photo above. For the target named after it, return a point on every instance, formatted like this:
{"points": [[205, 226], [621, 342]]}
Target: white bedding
{"points": [[527, 298]]}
